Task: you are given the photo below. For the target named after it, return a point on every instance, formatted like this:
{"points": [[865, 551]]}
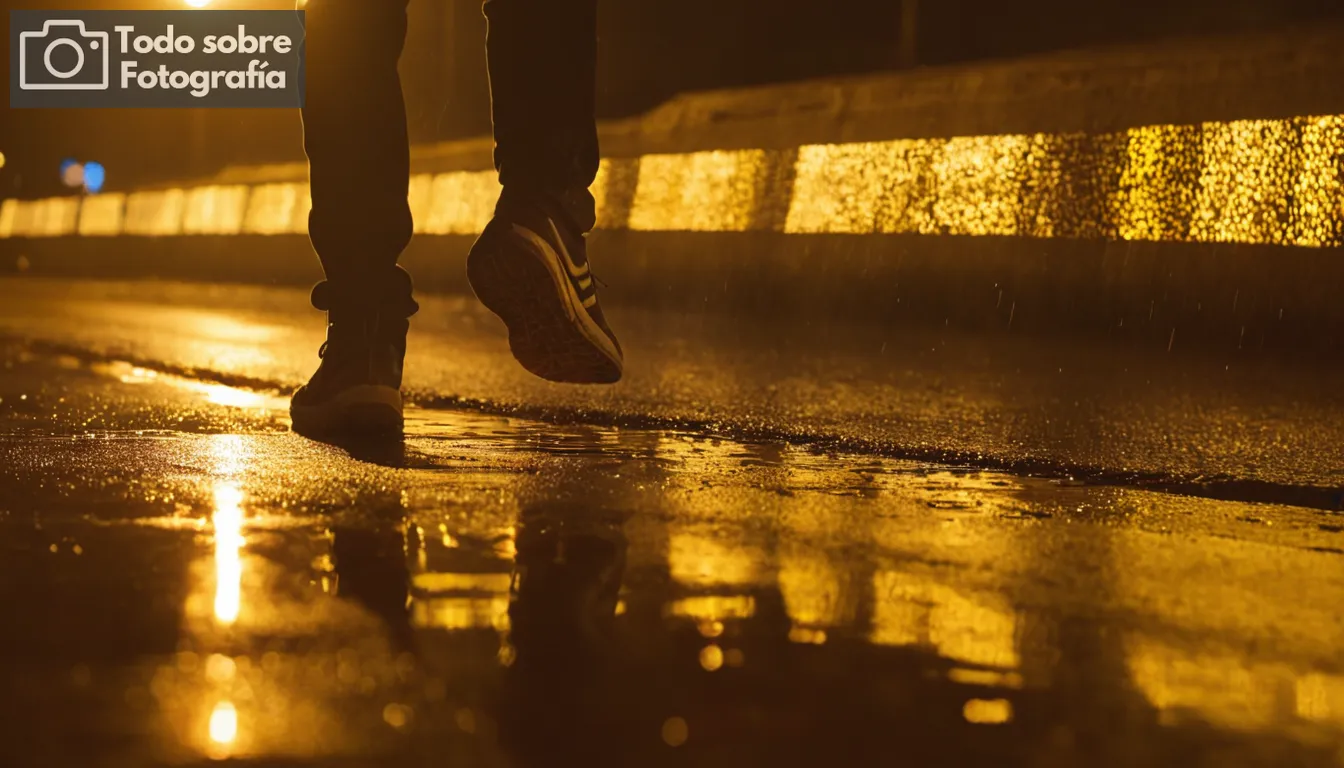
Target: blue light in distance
{"points": [[94, 177]]}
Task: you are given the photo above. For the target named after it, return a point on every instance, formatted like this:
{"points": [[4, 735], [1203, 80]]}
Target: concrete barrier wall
{"points": [[1187, 195]]}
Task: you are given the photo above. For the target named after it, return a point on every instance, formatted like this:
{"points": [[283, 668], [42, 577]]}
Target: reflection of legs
{"points": [[371, 570], [566, 585], [565, 592], [531, 265], [355, 136]]}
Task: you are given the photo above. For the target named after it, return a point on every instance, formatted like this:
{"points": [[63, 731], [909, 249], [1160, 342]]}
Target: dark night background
{"points": [[650, 50]]}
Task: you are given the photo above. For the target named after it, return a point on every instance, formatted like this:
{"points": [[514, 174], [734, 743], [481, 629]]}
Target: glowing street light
{"points": [[198, 3]]}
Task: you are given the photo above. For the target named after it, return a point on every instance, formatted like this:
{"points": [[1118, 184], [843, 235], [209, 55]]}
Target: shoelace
{"points": [[326, 345]]}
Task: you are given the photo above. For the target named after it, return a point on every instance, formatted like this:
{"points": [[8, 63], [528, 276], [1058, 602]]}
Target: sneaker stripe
{"points": [[575, 271]]}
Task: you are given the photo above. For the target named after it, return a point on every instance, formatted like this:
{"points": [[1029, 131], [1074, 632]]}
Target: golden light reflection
{"points": [[270, 209], [815, 591], [854, 188], [978, 181], [156, 213], [1155, 199], [462, 613], [461, 203], [988, 711], [51, 217], [224, 724], [713, 608], [9, 211], [228, 526], [230, 453], [1318, 191], [420, 199], [397, 715], [711, 658], [1253, 181], [704, 191], [989, 678], [675, 731], [1320, 697], [217, 394], [697, 560], [807, 636], [220, 669], [232, 397], [915, 611], [1246, 183], [1250, 181], [1228, 690], [101, 215], [215, 210], [462, 582]]}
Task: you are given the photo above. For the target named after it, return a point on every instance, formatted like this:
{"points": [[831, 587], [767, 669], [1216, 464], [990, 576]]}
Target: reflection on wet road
{"points": [[185, 581]]}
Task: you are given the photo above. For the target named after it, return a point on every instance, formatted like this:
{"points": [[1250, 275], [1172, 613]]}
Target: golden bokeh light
{"points": [[675, 731], [988, 711], [224, 724], [711, 658]]}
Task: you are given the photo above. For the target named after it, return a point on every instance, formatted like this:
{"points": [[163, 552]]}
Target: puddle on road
{"points": [[509, 592]]}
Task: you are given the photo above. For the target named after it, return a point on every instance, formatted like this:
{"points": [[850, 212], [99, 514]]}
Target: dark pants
{"points": [[542, 57]]}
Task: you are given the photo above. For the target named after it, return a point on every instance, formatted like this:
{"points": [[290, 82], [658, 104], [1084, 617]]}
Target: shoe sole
{"points": [[364, 410], [550, 333]]}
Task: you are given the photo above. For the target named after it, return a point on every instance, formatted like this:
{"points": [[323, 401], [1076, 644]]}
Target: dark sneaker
{"points": [[531, 268], [357, 388]]}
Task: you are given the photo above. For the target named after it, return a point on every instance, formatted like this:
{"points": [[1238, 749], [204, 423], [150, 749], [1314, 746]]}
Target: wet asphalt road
{"points": [[1235, 425], [652, 575]]}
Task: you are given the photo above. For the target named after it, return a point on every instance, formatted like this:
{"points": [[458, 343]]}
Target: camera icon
{"points": [[45, 61]]}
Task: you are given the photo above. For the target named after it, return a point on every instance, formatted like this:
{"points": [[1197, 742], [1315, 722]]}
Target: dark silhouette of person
{"points": [[530, 266]]}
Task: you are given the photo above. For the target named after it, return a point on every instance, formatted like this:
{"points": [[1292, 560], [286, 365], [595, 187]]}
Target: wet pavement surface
{"points": [[1236, 426], [653, 574]]}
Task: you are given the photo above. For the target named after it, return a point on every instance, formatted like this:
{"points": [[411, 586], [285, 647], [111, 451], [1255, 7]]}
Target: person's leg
{"points": [[530, 266], [354, 124], [359, 167], [543, 70]]}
